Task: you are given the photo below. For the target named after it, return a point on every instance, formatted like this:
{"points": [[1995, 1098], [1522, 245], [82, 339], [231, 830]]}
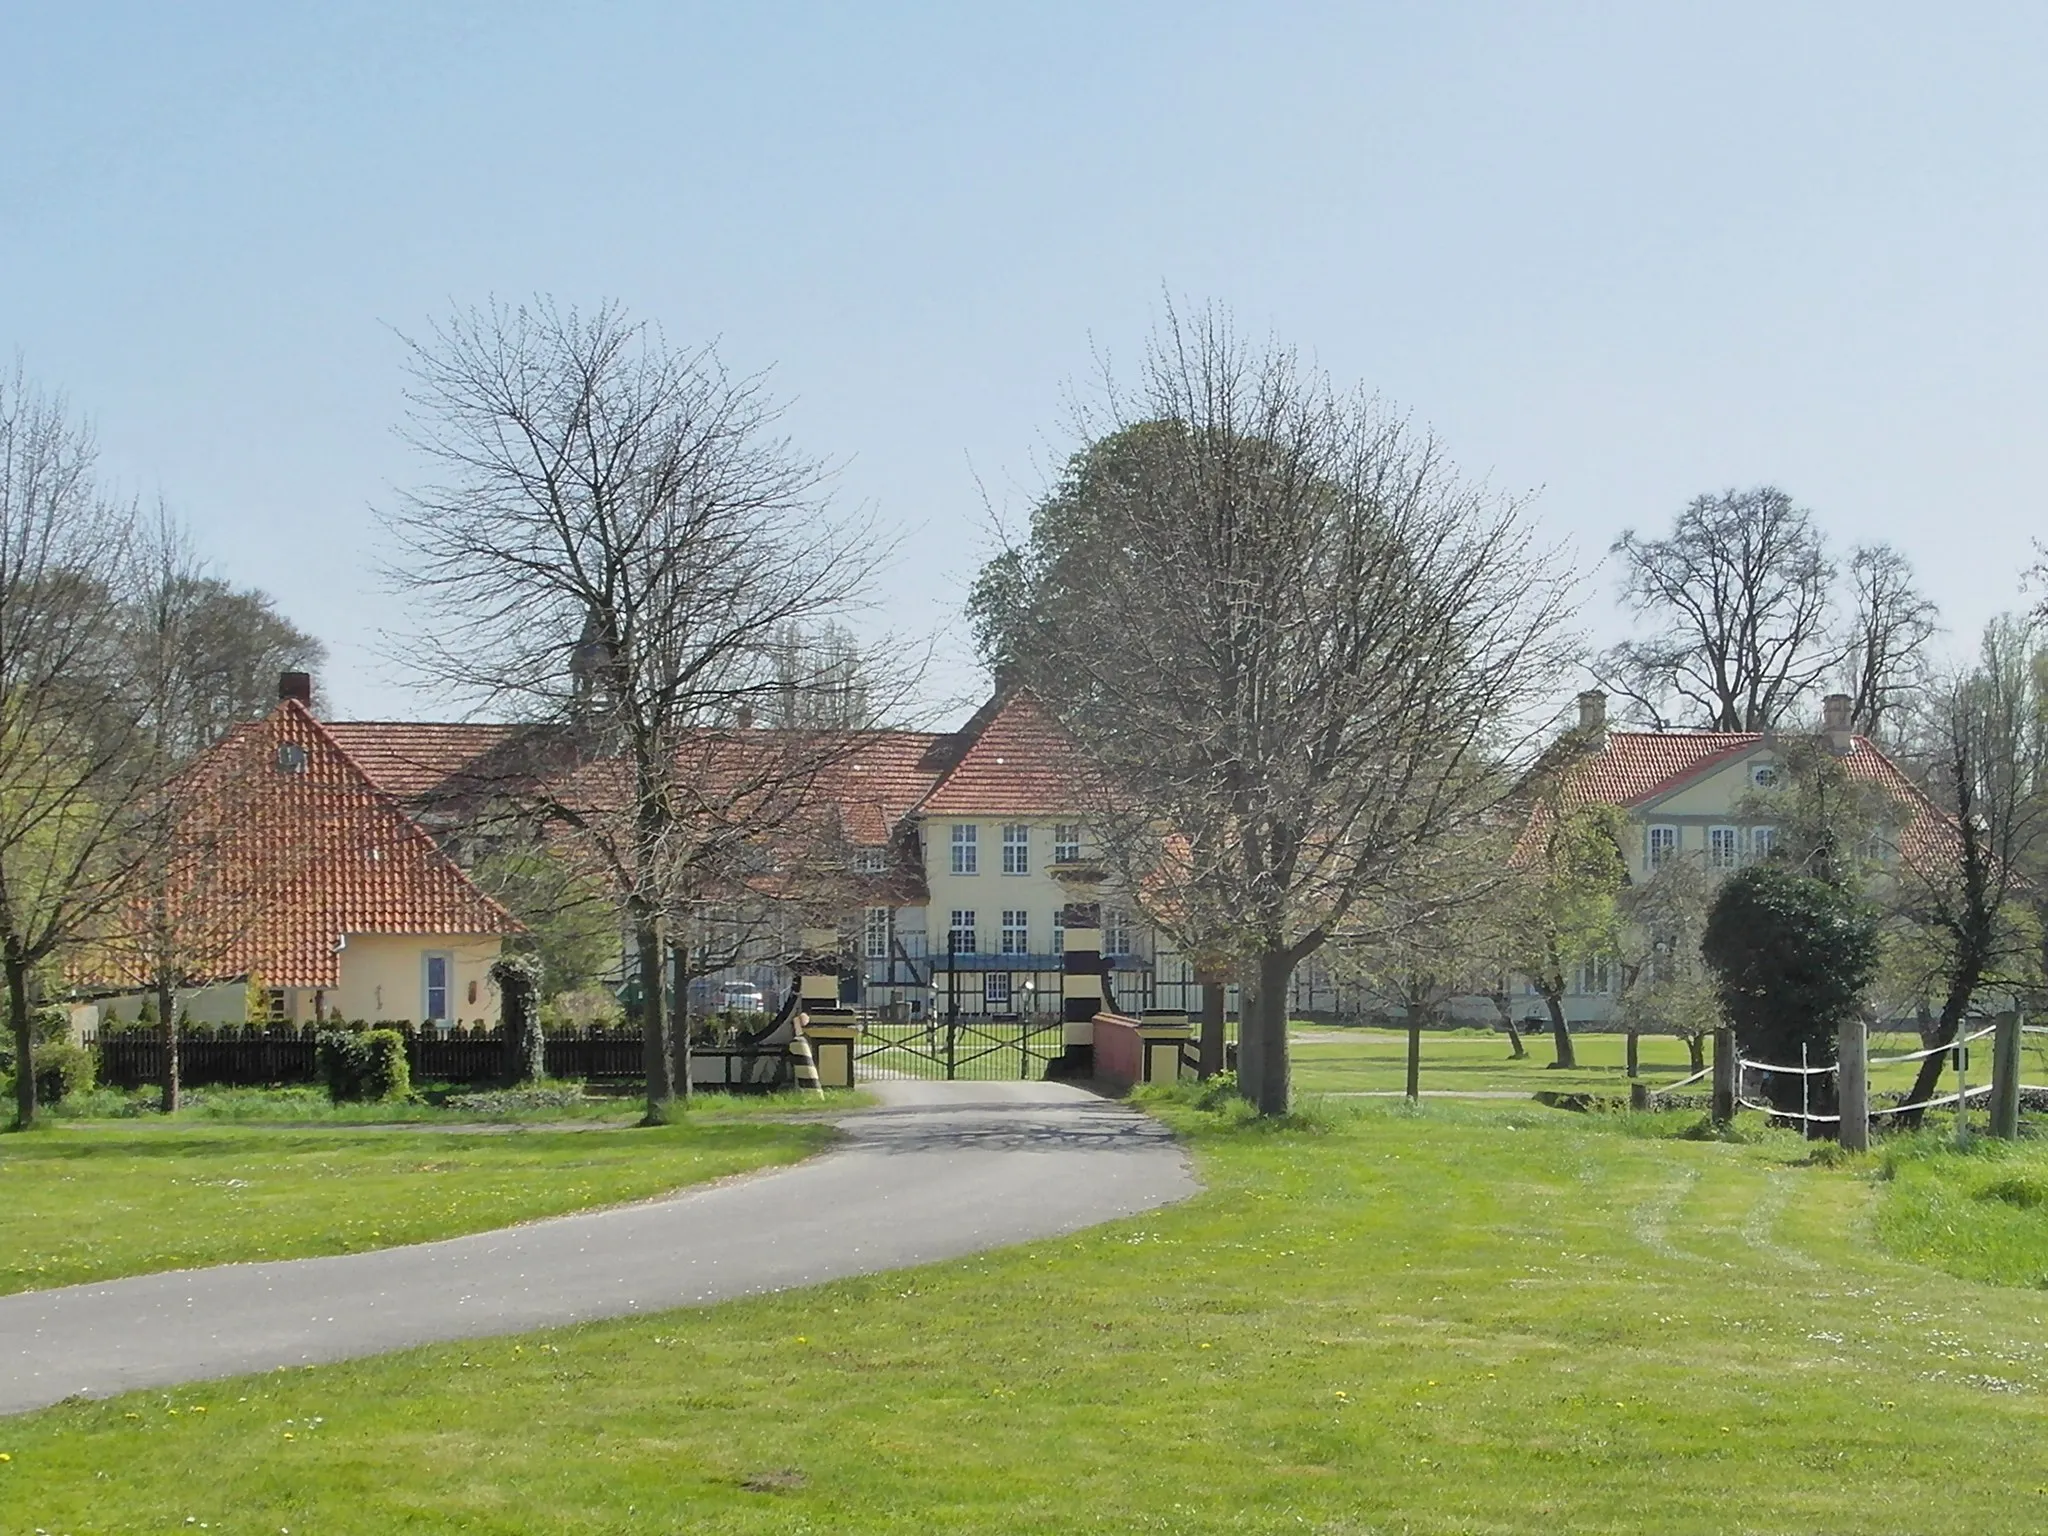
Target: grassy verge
{"points": [[1329, 1060], [92, 1204], [430, 1104], [1465, 1319], [1981, 1215]]}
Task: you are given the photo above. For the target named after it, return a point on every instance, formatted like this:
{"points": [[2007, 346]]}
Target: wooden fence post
{"points": [[1635, 1054], [1414, 1055], [2005, 1076], [1852, 1078], [1724, 1076]]}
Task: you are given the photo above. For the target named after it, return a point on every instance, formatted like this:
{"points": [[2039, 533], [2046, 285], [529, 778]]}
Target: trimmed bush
{"points": [[365, 1067], [62, 1069]]}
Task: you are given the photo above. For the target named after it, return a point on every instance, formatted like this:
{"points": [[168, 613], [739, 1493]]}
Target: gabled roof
{"points": [[1632, 769], [1019, 762], [285, 846]]}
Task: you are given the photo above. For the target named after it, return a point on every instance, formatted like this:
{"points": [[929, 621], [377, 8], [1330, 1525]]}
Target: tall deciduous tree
{"points": [[619, 540], [1884, 662], [68, 749], [1565, 914], [1963, 885], [1292, 638], [1738, 601]]}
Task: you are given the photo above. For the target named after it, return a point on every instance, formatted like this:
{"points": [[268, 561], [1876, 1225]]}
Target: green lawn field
{"points": [[1353, 1060], [90, 1202], [1471, 1318]]}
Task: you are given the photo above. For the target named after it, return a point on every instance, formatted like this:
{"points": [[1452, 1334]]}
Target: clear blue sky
{"points": [[1620, 254]]}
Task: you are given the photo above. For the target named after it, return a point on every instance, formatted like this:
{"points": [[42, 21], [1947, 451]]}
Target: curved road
{"points": [[939, 1170]]}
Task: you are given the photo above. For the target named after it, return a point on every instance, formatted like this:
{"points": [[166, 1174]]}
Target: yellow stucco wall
{"points": [[383, 976]]}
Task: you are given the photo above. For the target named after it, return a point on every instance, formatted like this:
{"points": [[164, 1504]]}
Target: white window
{"points": [[1066, 845], [1764, 775], [995, 989], [1663, 846], [1016, 933], [870, 861], [439, 980], [879, 929], [960, 937], [1059, 931], [1724, 847], [1592, 978], [966, 851], [1763, 842], [1116, 931], [1017, 849]]}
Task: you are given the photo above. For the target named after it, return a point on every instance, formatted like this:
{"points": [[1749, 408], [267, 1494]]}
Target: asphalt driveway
{"points": [[938, 1170]]}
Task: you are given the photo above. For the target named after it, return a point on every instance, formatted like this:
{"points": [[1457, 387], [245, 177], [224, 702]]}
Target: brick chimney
{"points": [[1593, 713], [295, 685], [1834, 723]]}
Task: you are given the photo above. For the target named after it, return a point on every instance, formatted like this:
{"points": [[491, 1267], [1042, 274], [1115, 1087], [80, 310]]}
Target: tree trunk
{"points": [[679, 972], [656, 1056], [1414, 1053], [24, 1037], [1696, 1052], [167, 1010], [1962, 988], [1560, 1031], [1263, 1020], [1501, 1006], [1212, 984]]}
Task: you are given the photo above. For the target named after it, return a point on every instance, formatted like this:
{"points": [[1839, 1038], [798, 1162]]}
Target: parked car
{"points": [[739, 997]]}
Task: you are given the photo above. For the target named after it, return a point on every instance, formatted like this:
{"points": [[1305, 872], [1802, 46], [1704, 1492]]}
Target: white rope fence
{"points": [[1806, 1115]]}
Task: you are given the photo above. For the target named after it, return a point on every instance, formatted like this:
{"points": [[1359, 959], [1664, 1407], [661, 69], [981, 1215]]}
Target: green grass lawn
{"points": [[1471, 1060], [1472, 1318], [90, 1202]]}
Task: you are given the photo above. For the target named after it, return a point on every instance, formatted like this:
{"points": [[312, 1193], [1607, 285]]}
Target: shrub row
{"points": [[366, 1066]]}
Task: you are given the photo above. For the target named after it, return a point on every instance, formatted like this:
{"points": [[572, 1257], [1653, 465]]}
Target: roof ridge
{"points": [[390, 802]]}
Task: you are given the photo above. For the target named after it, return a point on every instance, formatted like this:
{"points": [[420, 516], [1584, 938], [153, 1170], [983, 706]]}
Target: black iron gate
{"points": [[971, 1047]]}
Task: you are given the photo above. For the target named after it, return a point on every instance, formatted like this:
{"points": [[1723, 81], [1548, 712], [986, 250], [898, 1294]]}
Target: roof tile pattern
{"points": [[285, 847], [1022, 763], [411, 758], [1631, 767]]}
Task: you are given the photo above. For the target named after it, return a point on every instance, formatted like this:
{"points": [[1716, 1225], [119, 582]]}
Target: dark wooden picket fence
{"points": [[250, 1059]]}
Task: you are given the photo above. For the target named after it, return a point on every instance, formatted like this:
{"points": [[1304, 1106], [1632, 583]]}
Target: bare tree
{"points": [[1296, 656], [1738, 597], [67, 740], [201, 659], [1890, 624], [1961, 882], [618, 539]]}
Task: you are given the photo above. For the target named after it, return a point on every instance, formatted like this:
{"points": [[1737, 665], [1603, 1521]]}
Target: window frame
{"points": [[1021, 928], [1652, 859], [1016, 847], [1066, 849], [878, 921], [427, 959], [956, 925], [966, 848], [996, 991], [1715, 858]]}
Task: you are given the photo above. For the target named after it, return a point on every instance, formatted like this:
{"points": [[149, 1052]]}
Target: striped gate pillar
{"points": [[827, 1033], [1081, 986]]}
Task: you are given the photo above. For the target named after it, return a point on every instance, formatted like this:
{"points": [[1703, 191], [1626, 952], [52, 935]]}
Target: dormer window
{"points": [[291, 757], [870, 861]]}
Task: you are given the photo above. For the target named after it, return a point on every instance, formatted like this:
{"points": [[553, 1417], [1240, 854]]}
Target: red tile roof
{"points": [[1021, 762], [1631, 767], [410, 758], [286, 846]]}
